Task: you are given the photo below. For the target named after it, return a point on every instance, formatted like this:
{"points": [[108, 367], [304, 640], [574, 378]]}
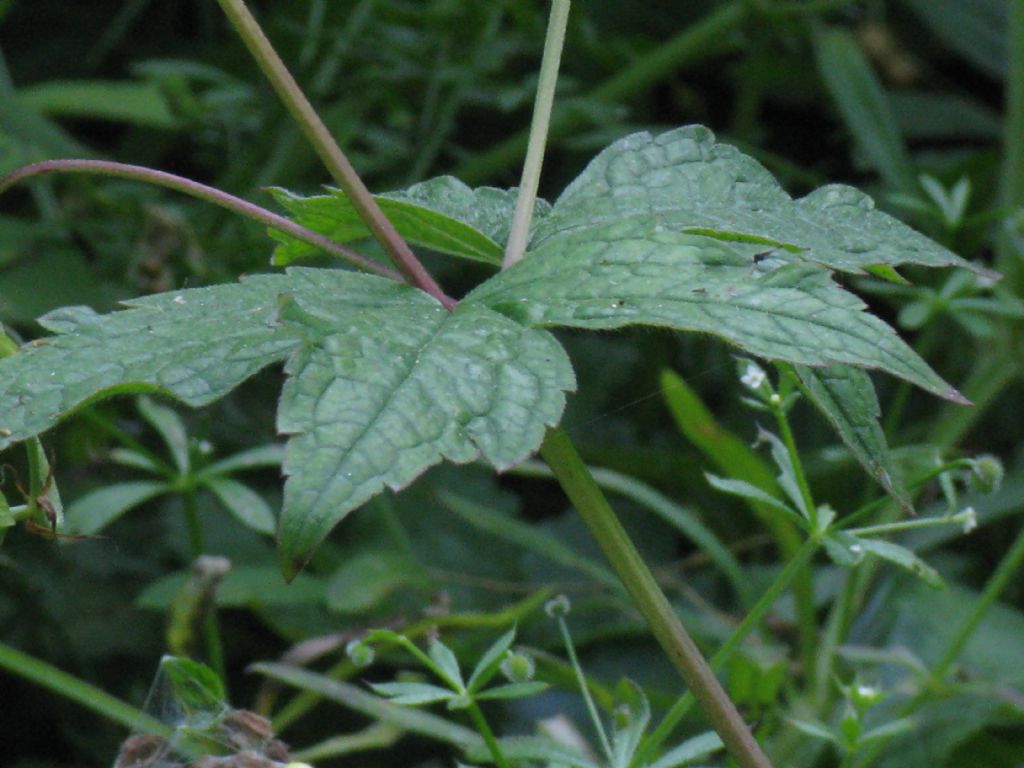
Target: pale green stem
{"points": [[92, 698], [584, 689], [327, 148], [574, 477], [200, 192], [480, 723], [542, 105]]}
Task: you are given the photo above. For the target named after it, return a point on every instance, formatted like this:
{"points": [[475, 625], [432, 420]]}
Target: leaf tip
{"points": [[954, 396]]}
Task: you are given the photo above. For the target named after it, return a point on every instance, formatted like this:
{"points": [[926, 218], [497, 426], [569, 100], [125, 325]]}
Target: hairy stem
{"points": [[574, 477], [201, 192], [327, 148], [542, 105]]}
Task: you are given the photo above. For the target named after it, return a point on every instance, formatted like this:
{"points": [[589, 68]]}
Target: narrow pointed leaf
{"points": [[684, 179], [96, 510], [376, 398], [490, 662], [253, 458], [512, 691], [847, 398], [442, 214], [412, 694], [247, 506], [902, 557], [534, 749], [690, 750], [752, 493], [171, 429], [445, 659], [635, 272]]}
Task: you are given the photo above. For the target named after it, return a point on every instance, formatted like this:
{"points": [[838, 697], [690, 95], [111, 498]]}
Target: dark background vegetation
{"points": [[414, 89]]}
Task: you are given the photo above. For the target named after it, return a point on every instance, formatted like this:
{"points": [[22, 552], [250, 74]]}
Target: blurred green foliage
{"points": [[904, 98]]}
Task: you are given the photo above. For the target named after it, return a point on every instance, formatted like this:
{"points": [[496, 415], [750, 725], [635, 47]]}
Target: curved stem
{"points": [[201, 192], [545, 99], [575, 479], [327, 148]]}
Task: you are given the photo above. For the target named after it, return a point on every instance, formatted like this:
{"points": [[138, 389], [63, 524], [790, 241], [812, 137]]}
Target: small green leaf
{"points": [[902, 557], [247, 506], [846, 397], [412, 694], [489, 664], [445, 659], [626, 737], [754, 494], [170, 427], [98, 509], [441, 214], [512, 691], [253, 458], [690, 751], [137, 103]]}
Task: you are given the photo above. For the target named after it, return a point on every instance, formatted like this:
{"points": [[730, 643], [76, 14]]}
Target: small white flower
{"points": [[968, 518], [753, 377], [856, 549]]}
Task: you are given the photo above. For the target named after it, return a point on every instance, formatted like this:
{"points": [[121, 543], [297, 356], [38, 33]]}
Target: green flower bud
{"points": [[518, 667], [986, 474], [359, 653], [557, 606]]}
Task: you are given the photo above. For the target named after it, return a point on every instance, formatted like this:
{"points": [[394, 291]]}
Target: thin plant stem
{"points": [[92, 698], [520, 231], [211, 628], [584, 689], [327, 148], [574, 477], [695, 42], [807, 625], [201, 192], [480, 723], [786, 578]]}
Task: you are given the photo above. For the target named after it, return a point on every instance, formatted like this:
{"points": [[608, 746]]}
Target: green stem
{"points": [[211, 628], [200, 192], [585, 689], [807, 622], [695, 42], [561, 455], [480, 723], [328, 150], [520, 231], [786, 578], [102, 703]]}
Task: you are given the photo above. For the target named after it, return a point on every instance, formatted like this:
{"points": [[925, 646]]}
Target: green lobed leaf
{"points": [[683, 179], [441, 214], [637, 272], [195, 345], [847, 398], [97, 509], [376, 397]]}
